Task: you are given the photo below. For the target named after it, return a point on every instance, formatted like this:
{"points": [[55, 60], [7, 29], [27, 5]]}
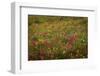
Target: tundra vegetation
{"points": [[57, 37]]}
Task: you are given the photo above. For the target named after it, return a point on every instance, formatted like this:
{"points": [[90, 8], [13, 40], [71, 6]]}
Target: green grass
{"points": [[57, 37]]}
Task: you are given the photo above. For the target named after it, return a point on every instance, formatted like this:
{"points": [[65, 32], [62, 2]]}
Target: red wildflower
{"points": [[34, 42], [69, 46], [46, 43], [42, 54], [45, 33], [72, 38]]}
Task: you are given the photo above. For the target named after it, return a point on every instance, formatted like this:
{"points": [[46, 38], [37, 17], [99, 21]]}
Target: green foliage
{"points": [[57, 37]]}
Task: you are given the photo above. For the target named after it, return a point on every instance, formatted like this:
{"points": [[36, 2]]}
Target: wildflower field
{"points": [[57, 37]]}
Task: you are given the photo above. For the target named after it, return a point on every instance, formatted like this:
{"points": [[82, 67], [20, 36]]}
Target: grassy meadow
{"points": [[57, 37]]}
